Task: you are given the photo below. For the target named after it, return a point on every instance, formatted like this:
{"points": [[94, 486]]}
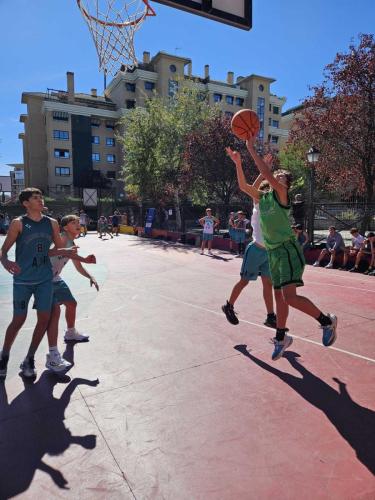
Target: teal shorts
{"points": [[286, 264], [255, 263], [62, 293], [42, 295], [232, 233], [208, 237]]}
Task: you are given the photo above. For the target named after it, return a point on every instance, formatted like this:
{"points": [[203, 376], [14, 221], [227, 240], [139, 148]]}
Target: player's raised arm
{"points": [[243, 185]]}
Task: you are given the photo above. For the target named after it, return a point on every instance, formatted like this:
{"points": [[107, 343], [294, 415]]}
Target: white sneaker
{"points": [[329, 266], [75, 336], [202, 252], [316, 264], [56, 363], [210, 253], [28, 368]]}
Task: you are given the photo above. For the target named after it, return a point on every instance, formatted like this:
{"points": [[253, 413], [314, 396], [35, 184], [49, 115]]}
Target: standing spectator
{"points": [[115, 222], [367, 250], [232, 232], [83, 221], [240, 226], [298, 210], [103, 227], [2, 223], [209, 222], [335, 246], [6, 222], [352, 251]]}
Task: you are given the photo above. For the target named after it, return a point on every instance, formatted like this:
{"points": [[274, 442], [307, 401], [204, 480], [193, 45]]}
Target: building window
{"points": [[218, 97], [61, 135], [229, 99], [270, 108], [275, 123], [111, 174], [275, 110], [64, 171], [60, 115], [109, 141], [239, 101], [111, 158], [130, 103], [95, 122], [172, 88], [62, 153], [149, 85], [261, 88], [110, 124], [63, 188], [274, 139], [260, 113], [95, 157], [229, 114], [95, 139], [172, 68], [130, 86], [270, 122]]}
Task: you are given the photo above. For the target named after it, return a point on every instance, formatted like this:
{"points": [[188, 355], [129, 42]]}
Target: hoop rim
{"points": [[149, 11]]}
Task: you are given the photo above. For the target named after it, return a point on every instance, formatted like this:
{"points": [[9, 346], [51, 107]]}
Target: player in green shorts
{"points": [[284, 253]]}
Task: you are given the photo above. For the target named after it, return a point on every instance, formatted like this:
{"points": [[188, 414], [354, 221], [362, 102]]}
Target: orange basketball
{"points": [[245, 124]]}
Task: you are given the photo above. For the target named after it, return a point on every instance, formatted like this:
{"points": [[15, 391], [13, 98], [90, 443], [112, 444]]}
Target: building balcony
{"points": [[280, 132]]}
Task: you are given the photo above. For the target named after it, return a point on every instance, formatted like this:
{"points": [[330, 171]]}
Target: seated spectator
{"points": [[367, 249], [352, 251], [301, 236], [335, 246]]}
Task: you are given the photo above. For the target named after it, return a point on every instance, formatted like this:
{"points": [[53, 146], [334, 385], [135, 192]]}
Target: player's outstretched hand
{"points": [[233, 155], [90, 259], [268, 158], [94, 282], [250, 143], [10, 266], [70, 252]]}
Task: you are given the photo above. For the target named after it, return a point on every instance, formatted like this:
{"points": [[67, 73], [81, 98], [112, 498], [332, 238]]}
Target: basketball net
{"points": [[112, 24]]}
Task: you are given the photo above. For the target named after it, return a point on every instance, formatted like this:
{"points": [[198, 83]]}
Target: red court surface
{"points": [[170, 401]]}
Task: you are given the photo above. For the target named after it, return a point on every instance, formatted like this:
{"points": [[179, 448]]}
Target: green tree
{"points": [[154, 143], [293, 158]]}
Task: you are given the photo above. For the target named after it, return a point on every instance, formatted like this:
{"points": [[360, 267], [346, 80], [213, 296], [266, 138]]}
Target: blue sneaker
{"points": [[281, 346], [329, 331]]}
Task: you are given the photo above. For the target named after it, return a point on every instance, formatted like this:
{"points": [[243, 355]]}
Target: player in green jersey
{"points": [[285, 256]]}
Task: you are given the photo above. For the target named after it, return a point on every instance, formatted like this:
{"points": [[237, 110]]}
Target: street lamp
{"points": [[313, 155]]}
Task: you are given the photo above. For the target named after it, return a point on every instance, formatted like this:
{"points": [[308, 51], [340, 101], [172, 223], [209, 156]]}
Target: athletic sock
{"points": [[324, 320], [71, 330], [53, 351], [280, 334]]}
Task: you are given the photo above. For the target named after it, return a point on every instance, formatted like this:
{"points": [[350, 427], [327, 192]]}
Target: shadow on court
{"points": [[31, 426], [355, 423]]}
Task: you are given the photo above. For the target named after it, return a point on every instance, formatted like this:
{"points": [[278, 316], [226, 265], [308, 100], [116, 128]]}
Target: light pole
{"points": [[313, 158]]}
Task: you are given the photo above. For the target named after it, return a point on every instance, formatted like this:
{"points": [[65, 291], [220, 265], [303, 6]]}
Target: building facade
{"points": [[69, 138]]}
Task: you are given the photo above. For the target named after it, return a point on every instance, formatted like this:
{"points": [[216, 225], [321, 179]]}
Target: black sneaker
{"points": [[230, 314], [354, 270], [3, 366], [270, 320], [28, 368]]}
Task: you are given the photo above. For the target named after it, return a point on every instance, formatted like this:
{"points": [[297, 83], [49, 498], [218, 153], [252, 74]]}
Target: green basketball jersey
{"points": [[274, 220]]}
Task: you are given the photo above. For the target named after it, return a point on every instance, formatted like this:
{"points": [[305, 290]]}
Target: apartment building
{"points": [[69, 138]]}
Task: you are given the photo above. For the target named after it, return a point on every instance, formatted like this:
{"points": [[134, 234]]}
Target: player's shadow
{"points": [[31, 426], [355, 423]]}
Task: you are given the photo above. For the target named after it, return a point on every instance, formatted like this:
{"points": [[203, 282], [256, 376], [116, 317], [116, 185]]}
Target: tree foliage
{"points": [[154, 144], [214, 175], [339, 119]]}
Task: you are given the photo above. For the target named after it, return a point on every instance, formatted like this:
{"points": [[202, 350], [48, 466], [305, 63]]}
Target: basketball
{"points": [[245, 124]]}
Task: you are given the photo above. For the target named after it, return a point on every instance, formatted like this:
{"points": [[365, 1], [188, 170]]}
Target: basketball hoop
{"points": [[112, 24]]}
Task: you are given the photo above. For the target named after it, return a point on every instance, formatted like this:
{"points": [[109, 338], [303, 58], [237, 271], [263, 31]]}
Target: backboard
{"points": [[237, 13]]}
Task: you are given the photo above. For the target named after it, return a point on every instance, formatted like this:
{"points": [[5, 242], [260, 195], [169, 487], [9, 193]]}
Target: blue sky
{"points": [[291, 41]]}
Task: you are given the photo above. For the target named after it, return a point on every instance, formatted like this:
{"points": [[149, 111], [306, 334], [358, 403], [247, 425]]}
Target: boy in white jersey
{"points": [[209, 222], [255, 262], [63, 296]]}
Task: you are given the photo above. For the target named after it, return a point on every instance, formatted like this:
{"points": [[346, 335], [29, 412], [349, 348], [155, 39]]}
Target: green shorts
{"points": [[286, 265]]}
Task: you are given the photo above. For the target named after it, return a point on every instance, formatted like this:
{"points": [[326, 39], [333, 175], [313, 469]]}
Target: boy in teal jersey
{"points": [[285, 256], [33, 234]]}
